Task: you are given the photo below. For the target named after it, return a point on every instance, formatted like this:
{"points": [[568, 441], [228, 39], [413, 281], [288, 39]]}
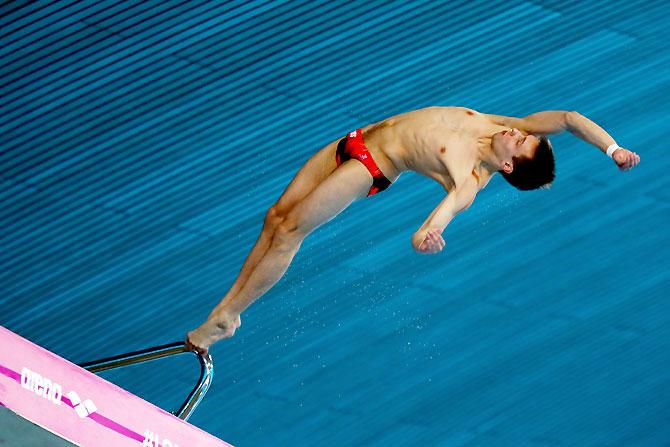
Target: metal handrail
{"points": [[195, 396]]}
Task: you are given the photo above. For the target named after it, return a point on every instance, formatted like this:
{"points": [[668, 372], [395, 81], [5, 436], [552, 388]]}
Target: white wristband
{"points": [[611, 149]]}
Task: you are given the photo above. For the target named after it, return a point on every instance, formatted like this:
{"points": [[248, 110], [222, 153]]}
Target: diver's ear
{"points": [[508, 167]]}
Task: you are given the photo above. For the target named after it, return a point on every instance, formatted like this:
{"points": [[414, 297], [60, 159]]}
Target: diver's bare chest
{"points": [[441, 159]]}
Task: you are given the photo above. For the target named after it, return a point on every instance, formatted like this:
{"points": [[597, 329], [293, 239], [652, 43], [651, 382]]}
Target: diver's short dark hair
{"points": [[536, 172]]}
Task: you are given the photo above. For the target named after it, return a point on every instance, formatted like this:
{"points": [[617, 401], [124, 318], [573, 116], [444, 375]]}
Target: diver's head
{"points": [[525, 161]]}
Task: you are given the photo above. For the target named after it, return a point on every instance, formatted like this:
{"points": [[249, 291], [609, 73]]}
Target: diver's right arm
{"points": [[556, 121], [582, 127]]}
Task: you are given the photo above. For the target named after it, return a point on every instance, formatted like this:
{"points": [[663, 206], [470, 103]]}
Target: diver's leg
{"points": [[310, 175], [349, 182]]}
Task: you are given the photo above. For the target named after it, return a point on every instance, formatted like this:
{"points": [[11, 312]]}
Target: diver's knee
{"points": [[273, 218], [288, 233]]}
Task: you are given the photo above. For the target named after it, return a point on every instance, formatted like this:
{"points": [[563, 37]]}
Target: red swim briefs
{"points": [[352, 146]]}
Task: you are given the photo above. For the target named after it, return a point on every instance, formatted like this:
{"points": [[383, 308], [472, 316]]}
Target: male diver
{"points": [[458, 147]]}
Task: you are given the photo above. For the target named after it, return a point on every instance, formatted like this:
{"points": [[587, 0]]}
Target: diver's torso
{"points": [[434, 142]]}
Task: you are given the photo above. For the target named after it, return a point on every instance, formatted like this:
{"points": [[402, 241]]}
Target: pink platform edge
{"points": [[91, 411]]}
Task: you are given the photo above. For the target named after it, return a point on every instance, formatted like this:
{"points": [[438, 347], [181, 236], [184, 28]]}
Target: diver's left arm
{"points": [[556, 121], [428, 238]]}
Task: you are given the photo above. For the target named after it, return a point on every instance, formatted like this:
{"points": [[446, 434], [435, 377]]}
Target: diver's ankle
{"points": [[224, 322]]}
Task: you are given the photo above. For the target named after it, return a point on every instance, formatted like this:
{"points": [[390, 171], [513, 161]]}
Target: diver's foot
{"points": [[217, 327]]}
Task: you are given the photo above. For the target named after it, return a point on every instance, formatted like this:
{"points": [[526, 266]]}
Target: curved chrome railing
{"points": [[195, 396]]}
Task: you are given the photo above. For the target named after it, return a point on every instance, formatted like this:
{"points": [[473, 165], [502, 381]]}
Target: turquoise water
{"points": [[142, 144]]}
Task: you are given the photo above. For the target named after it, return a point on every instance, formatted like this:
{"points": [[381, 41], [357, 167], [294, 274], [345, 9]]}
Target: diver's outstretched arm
{"points": [[556, 121], [582, 127]]}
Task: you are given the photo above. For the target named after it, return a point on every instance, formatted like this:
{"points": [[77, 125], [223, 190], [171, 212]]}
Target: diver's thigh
{"points": [[349, 182], [309, 176]]}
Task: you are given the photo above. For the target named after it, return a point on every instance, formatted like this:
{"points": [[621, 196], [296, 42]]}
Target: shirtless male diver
{"points": [[458, 147]]}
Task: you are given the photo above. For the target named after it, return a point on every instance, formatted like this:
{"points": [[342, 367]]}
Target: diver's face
{"points": [[511, 143]]}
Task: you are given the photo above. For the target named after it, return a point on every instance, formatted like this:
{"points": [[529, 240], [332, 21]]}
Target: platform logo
{"points": [[84, 408], [41, 386], [152, 439]]}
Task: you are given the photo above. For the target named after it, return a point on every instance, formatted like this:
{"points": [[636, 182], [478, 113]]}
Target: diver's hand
{"points": [[625, 159], [432, 243], [218, 326]]}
